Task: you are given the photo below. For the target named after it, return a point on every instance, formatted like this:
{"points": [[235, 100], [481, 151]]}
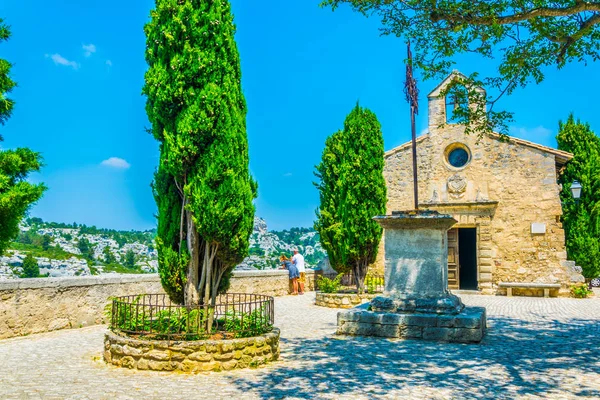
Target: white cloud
{"points": [[60, 60], [287, 174], [88, 49], [109, 63], [116, 162]]}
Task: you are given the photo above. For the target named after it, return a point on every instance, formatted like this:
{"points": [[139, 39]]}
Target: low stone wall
{"points": [[342, 300], [45, 304], [192, 356], [270, 282], [37, 305]]}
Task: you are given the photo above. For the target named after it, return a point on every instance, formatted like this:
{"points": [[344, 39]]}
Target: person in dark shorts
{"points": [[293, 272]]}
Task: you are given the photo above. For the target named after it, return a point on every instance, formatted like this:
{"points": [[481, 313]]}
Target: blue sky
{"points": [[80, 67]]}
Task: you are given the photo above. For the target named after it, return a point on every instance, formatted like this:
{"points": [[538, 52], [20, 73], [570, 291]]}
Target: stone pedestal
{"points": [[416, 302]]}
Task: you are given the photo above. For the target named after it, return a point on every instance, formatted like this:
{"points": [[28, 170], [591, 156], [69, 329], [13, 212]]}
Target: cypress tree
{"points": [[352, 191], [202, 186], [329, 212], [580, 218], [16, 194]]}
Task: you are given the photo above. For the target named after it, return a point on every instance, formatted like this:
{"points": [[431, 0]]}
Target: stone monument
{"points": [[416, 302]]}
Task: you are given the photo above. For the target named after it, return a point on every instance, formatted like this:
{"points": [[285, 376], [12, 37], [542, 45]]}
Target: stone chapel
{"points": [[504, 195]]}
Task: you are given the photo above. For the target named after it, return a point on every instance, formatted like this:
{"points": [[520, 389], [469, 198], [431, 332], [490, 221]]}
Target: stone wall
{"points": [[270, 283], [30, 306], [192, 356], [45, 304]]}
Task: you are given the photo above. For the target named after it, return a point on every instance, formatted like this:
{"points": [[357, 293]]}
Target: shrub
{"points": [[373, 283], [186, 323], [30, 267], [246, 324], [580, 291], [327, 285]]}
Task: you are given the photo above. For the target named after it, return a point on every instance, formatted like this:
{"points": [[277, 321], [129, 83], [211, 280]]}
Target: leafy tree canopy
{"points": [[6, 84], [581, 218], [16, 194], [524, 37]]}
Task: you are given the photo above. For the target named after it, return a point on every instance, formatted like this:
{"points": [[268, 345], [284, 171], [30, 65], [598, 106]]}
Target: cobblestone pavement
{"points": [[535, 348]]}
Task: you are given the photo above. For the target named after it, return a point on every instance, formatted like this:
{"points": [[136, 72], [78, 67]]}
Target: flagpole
{"points": [[414, 157], [412, 96]]}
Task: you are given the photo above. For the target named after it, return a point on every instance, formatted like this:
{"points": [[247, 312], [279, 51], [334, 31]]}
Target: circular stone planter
{"points": [[343, 300], [190, 356]]}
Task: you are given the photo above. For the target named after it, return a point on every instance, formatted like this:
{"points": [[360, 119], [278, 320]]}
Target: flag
{"points": [[410, 85]]}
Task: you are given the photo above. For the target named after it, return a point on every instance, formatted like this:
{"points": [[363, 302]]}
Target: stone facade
{"points": [[507, 191], [37, 305], [191, 356], [342, 300]]}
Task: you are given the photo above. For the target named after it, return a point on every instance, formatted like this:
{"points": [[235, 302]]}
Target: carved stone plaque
{"points": [[457, 186]]}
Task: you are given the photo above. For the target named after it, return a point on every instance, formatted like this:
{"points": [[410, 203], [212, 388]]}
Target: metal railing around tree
{"points": [[154, 316], [374, 283]]}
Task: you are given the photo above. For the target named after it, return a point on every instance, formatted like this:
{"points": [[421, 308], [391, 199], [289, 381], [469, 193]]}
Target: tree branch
{"points": [[569, 40], [578, 7]]}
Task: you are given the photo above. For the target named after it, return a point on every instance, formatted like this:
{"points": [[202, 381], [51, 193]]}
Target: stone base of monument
{"points": [[468, 326], [416, 302]]}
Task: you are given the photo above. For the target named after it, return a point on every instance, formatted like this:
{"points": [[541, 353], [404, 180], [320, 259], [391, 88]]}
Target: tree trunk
{"points": [[191, 295], [360, 271]]}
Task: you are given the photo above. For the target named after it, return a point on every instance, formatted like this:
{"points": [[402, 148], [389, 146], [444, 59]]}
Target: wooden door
{"points": [[453, 264]]}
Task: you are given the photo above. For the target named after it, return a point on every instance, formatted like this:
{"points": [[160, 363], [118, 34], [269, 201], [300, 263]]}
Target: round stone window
{"points": [[457, 155]]}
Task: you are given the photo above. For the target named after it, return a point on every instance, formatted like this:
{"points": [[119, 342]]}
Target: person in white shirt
{"points": [[298, 261]]}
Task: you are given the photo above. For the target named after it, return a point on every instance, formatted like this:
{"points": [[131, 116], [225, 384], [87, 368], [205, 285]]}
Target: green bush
{"points": [[580, 291], [187, 324], [247, 324], [30, 267], [327, 285], [121, 269], [54, 253], [373, 283]]}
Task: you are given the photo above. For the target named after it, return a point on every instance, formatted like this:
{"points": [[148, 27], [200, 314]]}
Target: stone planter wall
{"points": [[37, 305], [342, 300], [192, 356]]}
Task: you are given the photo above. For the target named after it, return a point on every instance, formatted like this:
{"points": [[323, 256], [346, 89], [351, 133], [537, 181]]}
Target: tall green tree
{"points": [[46, 242], [85, 247], [129, 259], [30, 267], [352, 191], [109, 257], [522, 38], [580, 218], [331, 195], [202, 186], [16, 194]]}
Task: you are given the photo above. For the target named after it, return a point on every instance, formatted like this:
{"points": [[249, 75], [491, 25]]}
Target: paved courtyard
{"points": [[535, 348]]}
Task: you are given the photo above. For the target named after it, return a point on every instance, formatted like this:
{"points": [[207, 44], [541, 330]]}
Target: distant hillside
{"points": [[72, 250], [78, 250], [267, 246]]}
